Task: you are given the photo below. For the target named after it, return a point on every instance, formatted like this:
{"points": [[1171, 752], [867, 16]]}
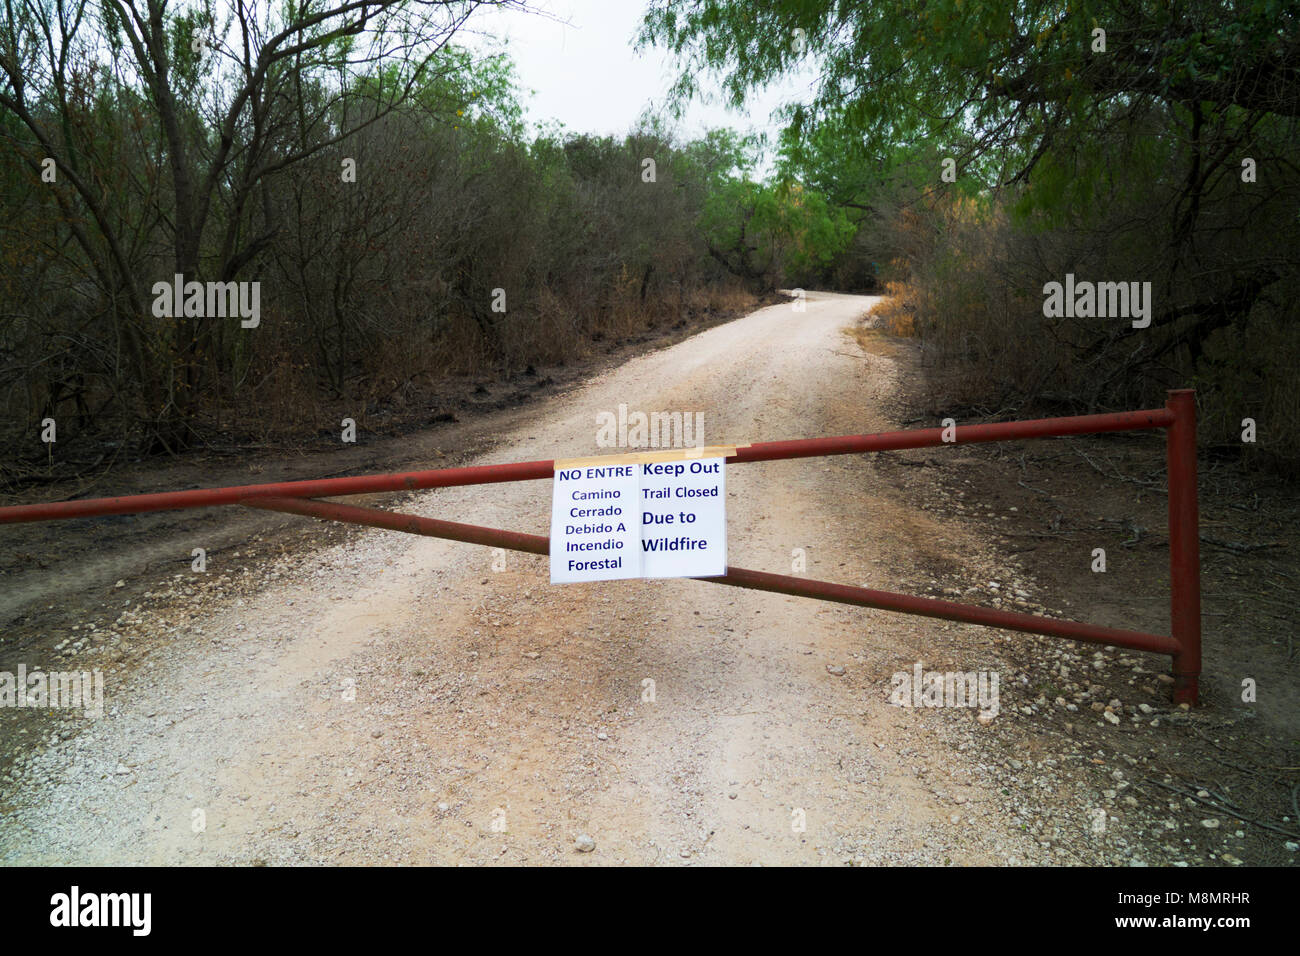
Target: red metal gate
{"points": [[1178, 418]]}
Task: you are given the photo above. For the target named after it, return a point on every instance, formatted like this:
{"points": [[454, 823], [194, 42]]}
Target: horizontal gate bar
{"points": [[961, 435], [739, 577], [531, 470], [318, 488]]}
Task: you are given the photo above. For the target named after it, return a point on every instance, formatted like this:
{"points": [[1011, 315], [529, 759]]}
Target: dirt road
{"points": [[397, 699]]}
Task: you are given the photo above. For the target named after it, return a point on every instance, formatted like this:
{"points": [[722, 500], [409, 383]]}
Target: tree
{"points": [[1124, 124], [1023, 77], [224, 105]]}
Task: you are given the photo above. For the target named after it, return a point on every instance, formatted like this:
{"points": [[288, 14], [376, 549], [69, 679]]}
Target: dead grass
{"points": [[897, 312], [873, 340]]}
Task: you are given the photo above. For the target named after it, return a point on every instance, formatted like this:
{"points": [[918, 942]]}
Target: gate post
{"points": [[1184, 546]]}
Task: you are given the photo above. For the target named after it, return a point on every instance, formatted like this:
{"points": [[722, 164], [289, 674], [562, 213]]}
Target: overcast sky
{"points": [[578, 57]]}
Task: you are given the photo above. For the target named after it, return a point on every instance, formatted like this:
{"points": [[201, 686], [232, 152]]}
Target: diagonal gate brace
{"points": [[738, 577]]}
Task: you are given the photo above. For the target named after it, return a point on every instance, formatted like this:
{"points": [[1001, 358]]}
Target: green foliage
{"points": [[1003, 82], [1121, 161], [368, 285], [466, 89], [768, 232]]}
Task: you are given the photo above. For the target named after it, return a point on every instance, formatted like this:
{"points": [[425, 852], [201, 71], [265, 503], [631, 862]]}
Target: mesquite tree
{"points": [[172, 129]]}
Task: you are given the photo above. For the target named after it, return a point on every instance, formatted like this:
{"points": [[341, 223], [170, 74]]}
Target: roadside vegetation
{"points": [[377, 182], [984, 148], [404, 225]]}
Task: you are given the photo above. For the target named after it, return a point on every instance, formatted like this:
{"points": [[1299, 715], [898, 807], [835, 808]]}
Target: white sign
{"points": [[664, 519], [595, 525], [683, 519]]}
